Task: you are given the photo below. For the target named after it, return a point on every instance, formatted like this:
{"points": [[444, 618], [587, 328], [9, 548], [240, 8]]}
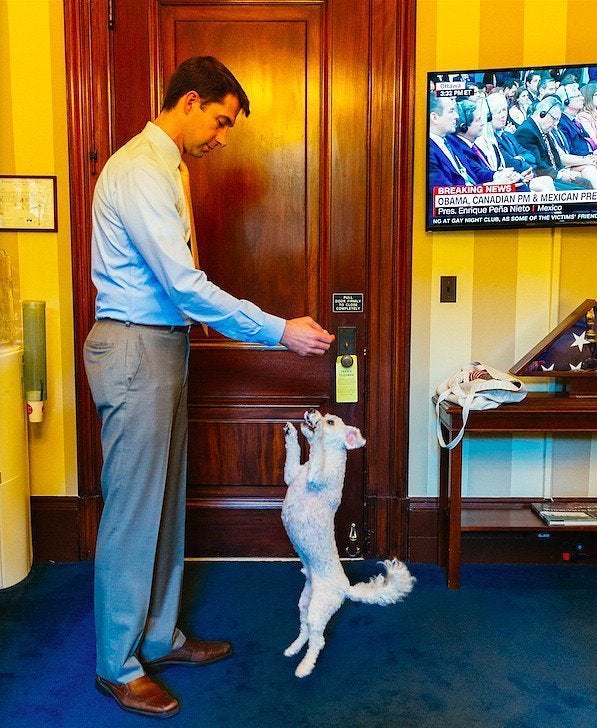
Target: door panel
{"points": [[281, 216], [357, 227], [257, 229]]}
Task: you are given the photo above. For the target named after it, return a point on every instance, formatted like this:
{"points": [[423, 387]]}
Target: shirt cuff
{"points": [[272, 330]]}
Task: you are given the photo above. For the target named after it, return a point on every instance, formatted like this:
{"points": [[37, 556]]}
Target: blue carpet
{"points": [[515, 647]]}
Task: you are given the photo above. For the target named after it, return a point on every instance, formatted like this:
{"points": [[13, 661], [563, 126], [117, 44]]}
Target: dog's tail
{"points": [[387, 588]]}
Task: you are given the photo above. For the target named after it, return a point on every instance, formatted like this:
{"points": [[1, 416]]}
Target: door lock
{"points": [[347, 377], [347, 340]]}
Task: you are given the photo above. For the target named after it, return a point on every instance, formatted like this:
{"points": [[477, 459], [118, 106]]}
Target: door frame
{"points": [[391, 129]]}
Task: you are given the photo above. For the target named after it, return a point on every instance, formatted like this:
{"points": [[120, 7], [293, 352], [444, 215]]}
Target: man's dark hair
{"points": [[545, 79], [209, 78]]}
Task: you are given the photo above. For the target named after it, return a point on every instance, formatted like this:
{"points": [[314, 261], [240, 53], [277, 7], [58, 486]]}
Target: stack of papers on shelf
{"points": [[577, 513]]}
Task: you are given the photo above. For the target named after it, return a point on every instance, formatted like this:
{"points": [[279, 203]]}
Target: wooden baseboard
{"points": [[59, 527], [56, 525], [495, 547]]}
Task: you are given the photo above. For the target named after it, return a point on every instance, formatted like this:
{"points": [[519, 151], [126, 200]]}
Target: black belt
{"points": [[170, 329]]}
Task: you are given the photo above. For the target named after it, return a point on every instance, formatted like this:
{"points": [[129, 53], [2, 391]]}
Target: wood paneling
{"points": [[282, 213], [87, 49], [259, 530], [216, 372], [220, 450], [311, 196], [258, 230], [55, 527]]}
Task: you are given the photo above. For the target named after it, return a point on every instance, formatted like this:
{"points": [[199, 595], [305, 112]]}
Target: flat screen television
{"points": [[511, 147]]}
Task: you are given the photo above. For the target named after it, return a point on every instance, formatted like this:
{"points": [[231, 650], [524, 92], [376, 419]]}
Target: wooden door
{"points": [[298, 206]]}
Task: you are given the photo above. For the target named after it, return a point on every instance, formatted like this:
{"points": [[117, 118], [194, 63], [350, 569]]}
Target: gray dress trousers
{"points": [[138, 379]]}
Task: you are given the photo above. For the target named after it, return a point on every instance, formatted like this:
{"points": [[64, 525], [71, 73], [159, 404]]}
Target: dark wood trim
{"points": [[390, 228], [392, 44], [87, 92], [402, 245], [386, 521], [56, 528]]}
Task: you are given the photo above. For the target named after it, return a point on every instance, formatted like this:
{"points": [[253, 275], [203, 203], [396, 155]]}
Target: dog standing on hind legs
{"points": [[312, 499]]}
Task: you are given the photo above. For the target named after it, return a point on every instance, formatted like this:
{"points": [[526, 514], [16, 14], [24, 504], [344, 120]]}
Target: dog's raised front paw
{"points": [[290, 430]]}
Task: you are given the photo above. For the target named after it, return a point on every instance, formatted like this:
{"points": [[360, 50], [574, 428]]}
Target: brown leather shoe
{"points": [[193, 652], [142, 696]]}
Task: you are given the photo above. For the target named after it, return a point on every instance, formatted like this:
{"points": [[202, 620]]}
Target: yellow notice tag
{"points": [[347, 378]]}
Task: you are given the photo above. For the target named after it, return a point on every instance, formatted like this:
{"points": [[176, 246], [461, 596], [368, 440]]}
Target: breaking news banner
{"points": [[512, 147], [492, 204]]}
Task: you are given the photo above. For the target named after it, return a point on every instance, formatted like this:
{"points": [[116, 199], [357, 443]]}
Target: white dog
{"points": [[313, 496]]}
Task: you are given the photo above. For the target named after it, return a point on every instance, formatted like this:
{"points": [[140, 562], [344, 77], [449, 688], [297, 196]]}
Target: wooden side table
{"points": [[536, 413]]}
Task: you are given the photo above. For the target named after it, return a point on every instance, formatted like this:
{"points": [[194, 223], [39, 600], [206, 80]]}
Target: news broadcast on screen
{"points": [[512, 147]]}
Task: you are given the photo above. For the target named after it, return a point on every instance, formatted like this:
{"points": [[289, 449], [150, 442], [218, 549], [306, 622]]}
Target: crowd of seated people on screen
{"points": [[535, 130]]}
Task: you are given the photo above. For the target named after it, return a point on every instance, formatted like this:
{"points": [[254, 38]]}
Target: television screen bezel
{"points": [[491, 226]]}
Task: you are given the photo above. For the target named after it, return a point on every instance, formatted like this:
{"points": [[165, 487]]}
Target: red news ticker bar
{"points": [[474, 189]]}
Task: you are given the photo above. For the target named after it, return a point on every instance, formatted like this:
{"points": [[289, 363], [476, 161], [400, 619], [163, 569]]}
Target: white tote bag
{"points": [[476, 387]]}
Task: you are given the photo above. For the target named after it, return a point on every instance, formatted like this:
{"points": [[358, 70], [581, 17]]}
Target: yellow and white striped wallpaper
{"points": [[513, 286], [34, 141]]}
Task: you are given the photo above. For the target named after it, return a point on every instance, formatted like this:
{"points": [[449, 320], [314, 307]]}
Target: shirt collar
{"points": [[468, 143], [439, 140], [164, 143]]}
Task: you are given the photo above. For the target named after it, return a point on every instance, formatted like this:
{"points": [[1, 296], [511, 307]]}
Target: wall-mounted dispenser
{"points": [[34, 361]]}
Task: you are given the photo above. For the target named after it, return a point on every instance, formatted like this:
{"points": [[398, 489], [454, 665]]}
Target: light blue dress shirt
{"points": [[140, 262]]}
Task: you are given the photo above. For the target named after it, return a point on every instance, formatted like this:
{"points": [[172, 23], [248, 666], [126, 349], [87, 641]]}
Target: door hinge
{"points": [[93, 159], [110, 14]]}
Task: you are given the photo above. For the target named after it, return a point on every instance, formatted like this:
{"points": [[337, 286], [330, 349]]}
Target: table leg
{"points": [[454, 515], [443, 502]]}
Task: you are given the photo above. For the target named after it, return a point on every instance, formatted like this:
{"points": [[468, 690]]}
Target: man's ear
{"points": [[189, 100], [353, 438]]}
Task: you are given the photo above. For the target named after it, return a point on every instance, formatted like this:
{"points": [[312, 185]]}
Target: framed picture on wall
{"points": [[28, 204]]}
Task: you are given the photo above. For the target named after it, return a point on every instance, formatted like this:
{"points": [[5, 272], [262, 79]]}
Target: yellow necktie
{"points": [[186, 185]]}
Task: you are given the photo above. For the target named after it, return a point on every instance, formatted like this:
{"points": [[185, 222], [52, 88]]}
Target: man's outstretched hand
{"points": [[305, 336]]}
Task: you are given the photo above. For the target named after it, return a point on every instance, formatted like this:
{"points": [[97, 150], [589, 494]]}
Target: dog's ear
{"points": [[353, 438]]}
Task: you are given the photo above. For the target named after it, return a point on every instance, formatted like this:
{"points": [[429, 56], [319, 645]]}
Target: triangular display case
{"points": [[568, 352]]}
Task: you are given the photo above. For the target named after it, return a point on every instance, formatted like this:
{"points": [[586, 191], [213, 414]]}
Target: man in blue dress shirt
{"points": [[148, 294]]}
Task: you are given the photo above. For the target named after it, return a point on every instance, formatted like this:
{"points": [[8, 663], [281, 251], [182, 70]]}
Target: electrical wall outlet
{"points": [[447, 289]]}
